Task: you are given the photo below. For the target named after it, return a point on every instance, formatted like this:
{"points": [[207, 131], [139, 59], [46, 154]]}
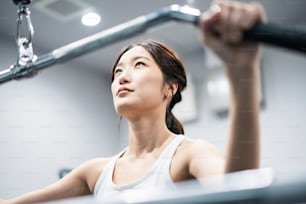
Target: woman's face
{"points": [[138, 84]]}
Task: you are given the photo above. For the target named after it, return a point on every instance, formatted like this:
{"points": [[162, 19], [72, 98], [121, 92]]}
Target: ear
{"points": [[172, 88]]}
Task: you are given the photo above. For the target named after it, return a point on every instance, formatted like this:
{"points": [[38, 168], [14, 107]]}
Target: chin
{"points": [[125, 108]]}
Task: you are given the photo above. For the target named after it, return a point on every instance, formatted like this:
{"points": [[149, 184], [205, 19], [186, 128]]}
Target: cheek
{"points": [[151, 85], [113, 88]]}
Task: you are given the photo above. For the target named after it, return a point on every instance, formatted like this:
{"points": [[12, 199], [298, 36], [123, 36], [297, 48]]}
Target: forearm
{"points": [[33, 197], [243, 144], [40, 196], [67, 187]]}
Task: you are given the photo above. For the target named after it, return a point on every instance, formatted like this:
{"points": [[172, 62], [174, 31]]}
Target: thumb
{"points": [[209, 25], [209, 17]]}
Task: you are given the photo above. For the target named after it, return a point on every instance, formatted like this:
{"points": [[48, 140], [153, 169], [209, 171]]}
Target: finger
{"points": [[210, 17], [222, 27], [233, 33], [252, 14], [208, 22], [261, 12]]}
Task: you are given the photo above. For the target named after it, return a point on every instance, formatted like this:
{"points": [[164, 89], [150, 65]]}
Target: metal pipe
{"points": [[101, 39], [268, 33]]}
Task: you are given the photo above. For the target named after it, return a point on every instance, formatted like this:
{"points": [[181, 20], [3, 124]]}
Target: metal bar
{"points": [[278, 35], [268, 33], [101, 39]]}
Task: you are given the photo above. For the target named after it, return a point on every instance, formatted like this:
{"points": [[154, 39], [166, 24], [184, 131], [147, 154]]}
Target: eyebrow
{"points": [[134, 59]]}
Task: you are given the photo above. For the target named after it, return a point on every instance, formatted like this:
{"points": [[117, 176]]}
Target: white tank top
{"points": [[158, 177]]}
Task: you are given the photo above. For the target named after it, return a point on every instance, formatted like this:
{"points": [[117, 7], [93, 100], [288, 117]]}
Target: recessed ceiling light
{"points": [[91, 19]]}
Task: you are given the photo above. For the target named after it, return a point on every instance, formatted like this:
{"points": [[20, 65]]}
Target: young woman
{"points": [[147, 80]]}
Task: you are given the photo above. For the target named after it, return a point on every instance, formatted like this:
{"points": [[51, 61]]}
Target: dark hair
{"points": [[172, 69]]}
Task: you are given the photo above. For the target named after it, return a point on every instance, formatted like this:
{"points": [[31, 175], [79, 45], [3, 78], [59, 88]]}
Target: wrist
{"points": [[244, 84], [245, 74], [244, 64]]}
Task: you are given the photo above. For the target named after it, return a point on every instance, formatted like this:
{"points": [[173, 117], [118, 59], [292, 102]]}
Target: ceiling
{"points": [[52, 32]]}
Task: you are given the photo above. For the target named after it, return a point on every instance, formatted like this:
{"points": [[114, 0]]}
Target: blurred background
{"points": [[65, 116]]}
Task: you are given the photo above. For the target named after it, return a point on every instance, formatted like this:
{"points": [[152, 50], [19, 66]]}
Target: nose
{"points": [[124, 77]]}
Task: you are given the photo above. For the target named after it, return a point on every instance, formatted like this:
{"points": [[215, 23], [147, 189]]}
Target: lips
{"points": [[122, 90]]}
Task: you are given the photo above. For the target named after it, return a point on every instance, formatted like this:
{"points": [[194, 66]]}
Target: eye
{"points": [[139, 64], [117, 72]]}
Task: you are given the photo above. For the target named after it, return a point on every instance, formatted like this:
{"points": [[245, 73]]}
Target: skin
{"points": [[222, 33], [144, 107]]}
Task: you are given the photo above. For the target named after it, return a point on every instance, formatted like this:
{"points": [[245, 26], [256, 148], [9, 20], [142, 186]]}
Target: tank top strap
{"points": [[167, 155], [107, 173], [171, 148]]}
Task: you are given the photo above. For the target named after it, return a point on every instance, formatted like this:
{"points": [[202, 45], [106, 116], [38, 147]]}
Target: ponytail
{"points": [[173, 124]]}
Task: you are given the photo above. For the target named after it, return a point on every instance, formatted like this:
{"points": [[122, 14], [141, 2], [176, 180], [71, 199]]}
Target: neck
{"points": [[147, 134]]}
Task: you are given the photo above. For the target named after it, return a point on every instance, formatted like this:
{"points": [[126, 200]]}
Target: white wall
{"points": [[60, 118], [283, 122]]}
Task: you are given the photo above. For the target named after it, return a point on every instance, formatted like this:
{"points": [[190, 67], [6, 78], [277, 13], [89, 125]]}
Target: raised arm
{"points": [[222, 32], [78, 182]]}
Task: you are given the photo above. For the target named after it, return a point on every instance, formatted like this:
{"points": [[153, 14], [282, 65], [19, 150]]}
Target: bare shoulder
{"points": [[201, 157], [193, 147], [91, 170], [95, 163]]}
